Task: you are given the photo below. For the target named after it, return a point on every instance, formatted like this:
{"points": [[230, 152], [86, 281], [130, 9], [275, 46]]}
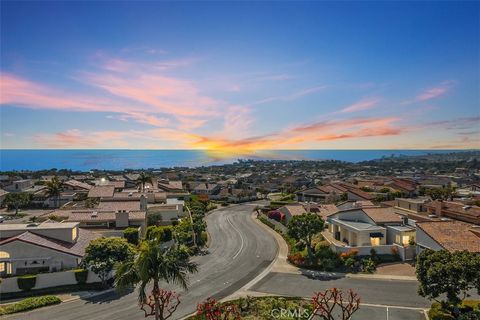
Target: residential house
{"points": [[370, 227], [114, 216], [291, 210], [20, 185], [170, 186], [455, 210], [101, 191], [77, 186], [3, 195], [414, 209], [48, 246], [448, 235]]}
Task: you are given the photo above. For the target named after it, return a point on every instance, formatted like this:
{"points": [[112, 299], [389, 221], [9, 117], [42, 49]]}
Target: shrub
{"points": [[474, 304], [470, 315], [165, 234], [26, 283], [297, 259], [154, 218], [131, 234], [368, 265], [81, 275], [436, 312], [349, 254], [395, 252], [204, 236], [29, 304]]}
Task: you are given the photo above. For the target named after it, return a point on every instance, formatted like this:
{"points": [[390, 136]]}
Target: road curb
{"points": [[93, 295]]}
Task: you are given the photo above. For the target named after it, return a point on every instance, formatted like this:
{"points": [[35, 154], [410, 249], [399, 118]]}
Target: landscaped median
{"points": [[29, 304], [326, 304]]}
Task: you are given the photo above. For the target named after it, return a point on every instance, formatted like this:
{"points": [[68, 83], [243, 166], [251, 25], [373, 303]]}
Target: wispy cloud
{"points": [[290, 97], [432, 92], [361, 105]]}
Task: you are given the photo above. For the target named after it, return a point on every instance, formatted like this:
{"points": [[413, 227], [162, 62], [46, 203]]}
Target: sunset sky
{"points": [[238, 77]]}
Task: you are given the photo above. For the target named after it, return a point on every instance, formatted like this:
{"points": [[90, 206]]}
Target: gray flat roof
{"points": [[402, 228], [357, 225]]}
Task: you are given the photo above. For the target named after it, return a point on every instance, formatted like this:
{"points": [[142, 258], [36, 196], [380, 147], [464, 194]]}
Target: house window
{"points": [[375, 241], [405, 240], [4, 255], [74, 233]]}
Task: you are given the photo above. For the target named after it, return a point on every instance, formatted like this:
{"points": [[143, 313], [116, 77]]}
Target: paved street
{"points": [[240, 249]]}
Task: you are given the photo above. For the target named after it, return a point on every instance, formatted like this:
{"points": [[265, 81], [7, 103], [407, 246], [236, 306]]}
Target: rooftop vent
{"points": [[94, 214]]}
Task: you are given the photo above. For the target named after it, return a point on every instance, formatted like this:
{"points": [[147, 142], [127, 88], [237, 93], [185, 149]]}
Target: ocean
{"points": [[85, 160]]}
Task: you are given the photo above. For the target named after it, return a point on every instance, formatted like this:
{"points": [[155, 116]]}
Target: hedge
{"points": [[164, 233], [131, 234], [26, 283], [29, 304], [81, 275]]}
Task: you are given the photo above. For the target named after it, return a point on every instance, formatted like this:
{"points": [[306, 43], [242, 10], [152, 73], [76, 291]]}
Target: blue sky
{"points": [[238, 77]]}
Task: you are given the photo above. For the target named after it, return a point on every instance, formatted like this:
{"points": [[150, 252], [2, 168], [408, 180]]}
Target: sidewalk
{"points": [[65, 297]]}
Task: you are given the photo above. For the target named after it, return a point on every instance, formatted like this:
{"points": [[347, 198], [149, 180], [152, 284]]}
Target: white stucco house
{"points": [[45, 247]]}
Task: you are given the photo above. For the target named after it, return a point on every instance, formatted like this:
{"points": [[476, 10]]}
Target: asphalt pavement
{"points": [[238, 252]]}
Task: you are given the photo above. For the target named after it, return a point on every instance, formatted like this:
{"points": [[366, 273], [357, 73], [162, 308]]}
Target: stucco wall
{"points": [[47, 280], [425, 241]]}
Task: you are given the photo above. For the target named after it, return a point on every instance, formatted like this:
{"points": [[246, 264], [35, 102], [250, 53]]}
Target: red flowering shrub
{"points": [[297, 259], [212, 310]]}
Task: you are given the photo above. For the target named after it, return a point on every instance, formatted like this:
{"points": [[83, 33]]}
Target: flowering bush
{"points": [[297, 259], [212, 310], [349, 254]]}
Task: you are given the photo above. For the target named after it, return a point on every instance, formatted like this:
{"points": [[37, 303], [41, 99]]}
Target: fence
{"points": [[47, 280]]}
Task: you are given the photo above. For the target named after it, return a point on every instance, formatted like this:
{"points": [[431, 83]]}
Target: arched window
{"points": [[4, 254]]}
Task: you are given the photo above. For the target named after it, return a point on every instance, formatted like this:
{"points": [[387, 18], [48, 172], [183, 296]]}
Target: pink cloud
{"points": [[434, 92], [361, 105]]}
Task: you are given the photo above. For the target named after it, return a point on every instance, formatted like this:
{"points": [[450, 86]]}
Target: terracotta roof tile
{"points": [[452, 235]]}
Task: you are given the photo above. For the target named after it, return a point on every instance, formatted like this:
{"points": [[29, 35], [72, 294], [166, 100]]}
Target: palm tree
{"points": [[142, 179], [54, 188], [153, 264]]}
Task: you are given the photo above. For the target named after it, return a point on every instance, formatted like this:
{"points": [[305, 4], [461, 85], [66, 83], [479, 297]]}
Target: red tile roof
{"points": [[77, 248], [101, 192], [382, 214], [452, 235]]}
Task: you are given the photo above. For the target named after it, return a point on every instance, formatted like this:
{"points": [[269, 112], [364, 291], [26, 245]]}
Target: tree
{"points": [[169, 302], [449, 274], [17, 200], [304, 227], [54, 188], [326, 303], [153, 263], [143, 179], [102, 254]]}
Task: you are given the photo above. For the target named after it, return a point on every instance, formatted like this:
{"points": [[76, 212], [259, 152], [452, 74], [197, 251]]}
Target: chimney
{"points": [[121, 219], [143, 203], [438, 208]]}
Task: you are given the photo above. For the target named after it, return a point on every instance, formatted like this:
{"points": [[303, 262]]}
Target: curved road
{"points": [[238, 252]]}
